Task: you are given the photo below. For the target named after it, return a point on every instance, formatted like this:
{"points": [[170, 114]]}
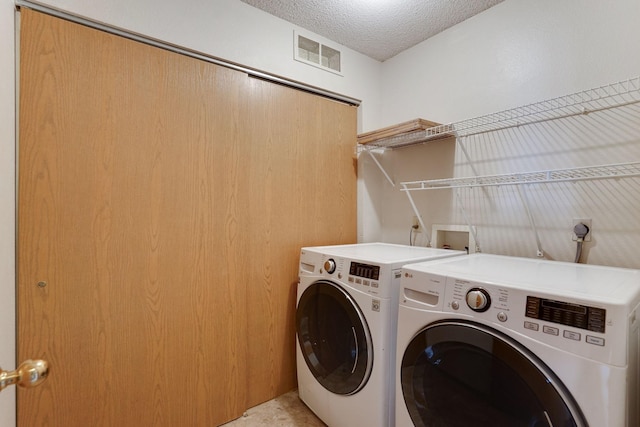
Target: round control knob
{"points": [[330, 266], [455, 305], [478, 300]]}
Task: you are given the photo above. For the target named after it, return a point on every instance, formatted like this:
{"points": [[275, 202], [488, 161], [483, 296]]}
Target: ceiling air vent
{"points": [[315, 53]]}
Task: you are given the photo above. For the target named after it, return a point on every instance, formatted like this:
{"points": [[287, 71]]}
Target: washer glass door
{"points": [[455, 373], [334, 338]]}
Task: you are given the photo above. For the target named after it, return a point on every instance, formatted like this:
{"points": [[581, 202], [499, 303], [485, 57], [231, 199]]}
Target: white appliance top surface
{"points": [[605, 284], [384, 253]]}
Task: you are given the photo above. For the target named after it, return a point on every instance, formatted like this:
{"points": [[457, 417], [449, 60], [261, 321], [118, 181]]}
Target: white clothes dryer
{"points": [[498, 341], [346, 318]]}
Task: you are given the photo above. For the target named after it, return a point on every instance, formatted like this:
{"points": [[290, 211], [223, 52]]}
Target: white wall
{"points": [[514, 54], [7, 207]]}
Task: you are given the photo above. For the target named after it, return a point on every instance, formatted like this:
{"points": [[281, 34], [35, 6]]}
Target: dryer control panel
{"points": [[374, 279], [366, 271]]}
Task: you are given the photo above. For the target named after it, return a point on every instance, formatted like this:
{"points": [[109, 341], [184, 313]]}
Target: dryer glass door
{"points": [[334, 338], [465, 374]]}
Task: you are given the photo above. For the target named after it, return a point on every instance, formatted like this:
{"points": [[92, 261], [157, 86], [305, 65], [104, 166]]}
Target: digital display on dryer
{"points": [[563, 313], [364, 270]]}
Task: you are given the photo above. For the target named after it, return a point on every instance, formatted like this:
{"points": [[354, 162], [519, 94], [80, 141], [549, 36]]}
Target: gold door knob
{"points": [[30, 373]]}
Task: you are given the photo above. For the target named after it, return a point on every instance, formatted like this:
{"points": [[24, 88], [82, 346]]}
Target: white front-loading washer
{"points": [[489, 340], [345, 329]]}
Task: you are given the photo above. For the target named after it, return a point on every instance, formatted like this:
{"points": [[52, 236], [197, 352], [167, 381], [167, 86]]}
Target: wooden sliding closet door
{"points": [[129, 213], [301, 176], [162, 204]]}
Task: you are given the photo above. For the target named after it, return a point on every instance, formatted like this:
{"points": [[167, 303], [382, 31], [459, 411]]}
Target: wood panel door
{"points": [[162, 202], [306, 196]]}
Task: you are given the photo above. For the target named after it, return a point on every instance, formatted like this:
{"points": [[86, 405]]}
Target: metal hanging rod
{"points": [[184, 51]]}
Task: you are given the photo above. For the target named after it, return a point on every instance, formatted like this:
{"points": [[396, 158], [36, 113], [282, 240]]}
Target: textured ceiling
{"points": [[379, 29]]}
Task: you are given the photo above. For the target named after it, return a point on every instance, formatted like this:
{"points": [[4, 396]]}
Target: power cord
{"points": [[580, 231]]}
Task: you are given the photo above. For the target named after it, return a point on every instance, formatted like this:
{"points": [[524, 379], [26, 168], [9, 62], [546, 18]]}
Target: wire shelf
{"points": [[404, 140], [605, 97], [613, 171]]}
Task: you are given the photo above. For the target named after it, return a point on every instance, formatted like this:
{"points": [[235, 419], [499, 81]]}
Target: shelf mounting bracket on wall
{"points": [[472, 229], [401, 135], [459, 141], [384, 172], [522, 192]]}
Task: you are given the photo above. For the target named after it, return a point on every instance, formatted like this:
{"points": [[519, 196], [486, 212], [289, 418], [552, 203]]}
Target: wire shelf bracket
{"points": [[382, 169], [522, 192]]}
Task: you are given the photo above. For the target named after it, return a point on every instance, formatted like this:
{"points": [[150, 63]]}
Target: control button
{"points": [[455, 305], [595, 340], [551, 330], [339, 275], [531, 326], [350, 279], [571, 335], [375, 305], [366, 282], [358, 281], [502, 316], [374, 284], [330, 266], [478, 299]]}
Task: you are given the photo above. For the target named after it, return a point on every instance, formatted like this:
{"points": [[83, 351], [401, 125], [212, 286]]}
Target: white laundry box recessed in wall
{"points": [[456, 237]]}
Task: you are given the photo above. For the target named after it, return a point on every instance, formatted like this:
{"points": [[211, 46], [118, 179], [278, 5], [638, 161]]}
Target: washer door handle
{"points": [[355, 340]]}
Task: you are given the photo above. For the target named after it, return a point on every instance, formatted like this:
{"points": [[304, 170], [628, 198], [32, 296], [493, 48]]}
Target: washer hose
{"points": [[580, 231]]}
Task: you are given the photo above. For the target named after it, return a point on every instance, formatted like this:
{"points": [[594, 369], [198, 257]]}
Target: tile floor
{"points": [[283, 411]]}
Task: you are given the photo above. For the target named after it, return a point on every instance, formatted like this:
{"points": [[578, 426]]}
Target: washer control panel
{"points": [[556, 310], [576, 326], [568, 314]]}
